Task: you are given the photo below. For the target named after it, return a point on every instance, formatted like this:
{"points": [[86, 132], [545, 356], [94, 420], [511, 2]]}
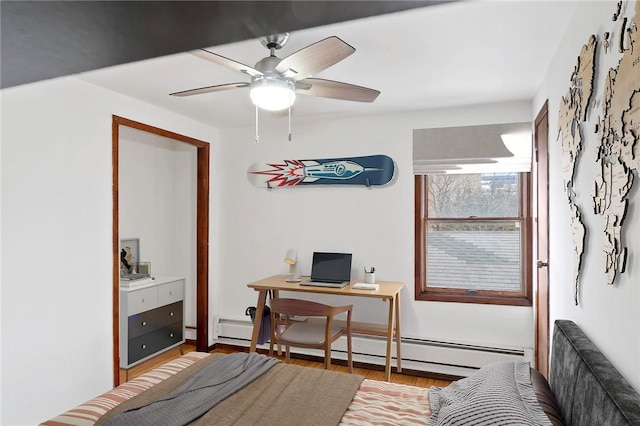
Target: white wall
{"points": [[609, 315], [56, 241], [157, 204], [375, 224]]}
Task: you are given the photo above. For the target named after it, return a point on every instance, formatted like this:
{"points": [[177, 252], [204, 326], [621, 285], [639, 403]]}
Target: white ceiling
{"points": [[438, 56]]}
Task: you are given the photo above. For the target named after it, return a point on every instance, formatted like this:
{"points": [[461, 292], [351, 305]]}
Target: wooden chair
{"points": [[308, 333]]}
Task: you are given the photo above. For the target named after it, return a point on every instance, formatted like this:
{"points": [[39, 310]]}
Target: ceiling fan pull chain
{"points": [[257, 136], [289, 123]]}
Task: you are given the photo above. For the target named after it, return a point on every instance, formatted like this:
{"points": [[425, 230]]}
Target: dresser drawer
{"points": [[149, 321], [142, 300], [171, 292], [149, 344]]}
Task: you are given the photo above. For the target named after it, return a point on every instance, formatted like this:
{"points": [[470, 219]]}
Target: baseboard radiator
{"points": [[448, 358]]}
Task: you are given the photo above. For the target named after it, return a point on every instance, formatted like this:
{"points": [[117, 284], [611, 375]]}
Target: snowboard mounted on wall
{"points": [[367, 171]]}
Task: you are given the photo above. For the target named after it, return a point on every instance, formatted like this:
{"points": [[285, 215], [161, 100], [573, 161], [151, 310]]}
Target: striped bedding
{"points": [[499, 394], [375, 403], [89, 412], [383, 403]]}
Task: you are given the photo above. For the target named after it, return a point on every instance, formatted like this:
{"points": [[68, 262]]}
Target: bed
{"points": [[583, 389]]}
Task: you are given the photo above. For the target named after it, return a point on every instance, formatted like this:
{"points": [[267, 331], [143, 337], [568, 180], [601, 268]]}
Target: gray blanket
{"points": [[200, 392], [497, 394]]}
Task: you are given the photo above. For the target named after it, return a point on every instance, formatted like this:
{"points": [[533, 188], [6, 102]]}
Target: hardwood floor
{"points": [[367, 373]]}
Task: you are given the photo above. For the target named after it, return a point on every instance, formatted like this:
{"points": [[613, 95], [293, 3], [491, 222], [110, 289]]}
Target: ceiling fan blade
{"points": [[336, 90], [229, 63], [314, 58], [209, 89]]}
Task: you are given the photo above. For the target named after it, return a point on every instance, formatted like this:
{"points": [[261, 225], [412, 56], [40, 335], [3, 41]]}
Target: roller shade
{"points": [[494, 148]]}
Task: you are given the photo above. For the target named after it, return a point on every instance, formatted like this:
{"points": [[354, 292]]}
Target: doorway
{"points": [[202, 233], [541, 165]]}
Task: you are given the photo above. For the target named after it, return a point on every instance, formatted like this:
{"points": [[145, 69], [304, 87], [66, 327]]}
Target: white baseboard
{"points": [[423, 355]]}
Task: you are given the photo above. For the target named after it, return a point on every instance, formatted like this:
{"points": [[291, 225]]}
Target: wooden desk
{"points": [[388, 290]]}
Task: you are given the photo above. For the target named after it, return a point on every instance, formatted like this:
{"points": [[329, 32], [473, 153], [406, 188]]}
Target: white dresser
{"points": [[151, 318]]}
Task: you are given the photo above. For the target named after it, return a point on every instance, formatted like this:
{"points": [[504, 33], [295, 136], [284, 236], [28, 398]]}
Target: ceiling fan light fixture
{"points": [[272, 94]]}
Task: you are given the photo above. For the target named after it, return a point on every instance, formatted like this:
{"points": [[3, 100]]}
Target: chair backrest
{"points": [[305, 308]]}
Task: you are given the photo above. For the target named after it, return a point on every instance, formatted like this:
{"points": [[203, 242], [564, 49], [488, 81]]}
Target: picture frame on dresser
{"points": [[129, 254]]}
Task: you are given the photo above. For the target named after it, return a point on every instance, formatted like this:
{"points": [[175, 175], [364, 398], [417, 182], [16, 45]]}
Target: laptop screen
{"points": [[331, 266]]}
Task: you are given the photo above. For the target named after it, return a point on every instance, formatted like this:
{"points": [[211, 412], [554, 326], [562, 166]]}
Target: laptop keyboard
{"points": [[324, 283]]}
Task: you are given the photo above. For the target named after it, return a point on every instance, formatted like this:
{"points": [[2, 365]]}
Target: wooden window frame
{"points": [[423, 292]]}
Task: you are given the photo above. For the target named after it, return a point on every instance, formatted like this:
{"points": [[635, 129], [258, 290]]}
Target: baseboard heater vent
{"points": [[436, 343], [449, 358]]}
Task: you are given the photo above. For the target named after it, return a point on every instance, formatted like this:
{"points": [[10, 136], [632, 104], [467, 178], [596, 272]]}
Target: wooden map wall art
{"points": [[618, 132], [573, 111]]}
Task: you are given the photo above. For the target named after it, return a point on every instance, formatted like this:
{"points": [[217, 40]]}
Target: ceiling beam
{"points": [[47, 39]]}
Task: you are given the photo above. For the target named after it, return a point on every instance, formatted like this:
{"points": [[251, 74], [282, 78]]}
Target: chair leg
{"points": [[287, 358]]}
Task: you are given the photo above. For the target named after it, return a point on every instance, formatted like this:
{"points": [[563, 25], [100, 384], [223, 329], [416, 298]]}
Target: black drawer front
{"points": [[151, 343], [146, 322]]}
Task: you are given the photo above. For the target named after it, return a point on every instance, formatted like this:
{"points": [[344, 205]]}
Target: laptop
{"points": [[330, 270]]}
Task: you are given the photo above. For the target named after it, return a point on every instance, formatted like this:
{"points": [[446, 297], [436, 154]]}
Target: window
{"points": [[473, 238]]}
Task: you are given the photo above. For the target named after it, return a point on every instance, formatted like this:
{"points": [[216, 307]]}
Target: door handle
{"points": [[542, 264]]}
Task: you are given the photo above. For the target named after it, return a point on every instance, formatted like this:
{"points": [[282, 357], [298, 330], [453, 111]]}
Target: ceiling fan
{"points": [[275, 82]]}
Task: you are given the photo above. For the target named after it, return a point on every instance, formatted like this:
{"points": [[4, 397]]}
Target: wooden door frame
{"points": [[541, 313], [202, 234]]}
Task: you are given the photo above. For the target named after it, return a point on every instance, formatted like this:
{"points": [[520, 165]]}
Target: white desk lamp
{"points": [[291, 259]]}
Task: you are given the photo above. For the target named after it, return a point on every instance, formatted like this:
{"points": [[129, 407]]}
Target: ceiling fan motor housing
{"points": [[268, 65]]}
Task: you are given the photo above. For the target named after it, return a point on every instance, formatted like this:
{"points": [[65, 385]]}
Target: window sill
{"points": [[481, 299]]}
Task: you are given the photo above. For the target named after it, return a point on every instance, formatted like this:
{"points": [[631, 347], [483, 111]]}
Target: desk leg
{"points": [[390, 319], [257, 322], [398, 338], [276, 294]]}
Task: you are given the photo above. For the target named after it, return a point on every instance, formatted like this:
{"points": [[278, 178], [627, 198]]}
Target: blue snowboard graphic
{"points": [[368, 170]]}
